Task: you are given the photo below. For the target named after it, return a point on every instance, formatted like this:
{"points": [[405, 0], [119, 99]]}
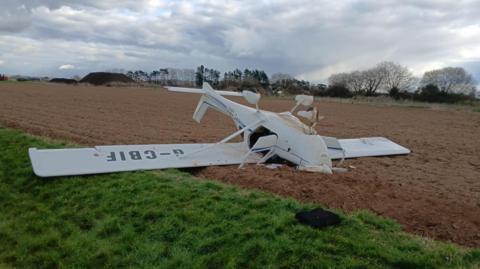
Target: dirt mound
{"points": [[63, 80], [102, 78], [435, 191]]}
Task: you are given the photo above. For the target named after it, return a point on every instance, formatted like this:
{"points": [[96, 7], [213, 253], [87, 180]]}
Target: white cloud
{"points": [[2, 62], [66, 67]]}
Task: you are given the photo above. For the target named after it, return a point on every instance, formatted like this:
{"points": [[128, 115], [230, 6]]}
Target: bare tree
{"points": [[356, 82], [373, 79], [340, 79], [360, 82], [450, 80], [396, 76], [383, 77]]}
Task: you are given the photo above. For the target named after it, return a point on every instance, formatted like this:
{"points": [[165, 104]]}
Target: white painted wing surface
{"points": [[106, 159], [366, 147], [194, 90]]}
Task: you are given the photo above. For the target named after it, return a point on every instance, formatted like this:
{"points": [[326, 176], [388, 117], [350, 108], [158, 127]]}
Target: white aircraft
{"points": [[265, 135]]}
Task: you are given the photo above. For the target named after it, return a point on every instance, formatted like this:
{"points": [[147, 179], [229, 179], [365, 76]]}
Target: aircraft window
{"points": [[255, 135]]}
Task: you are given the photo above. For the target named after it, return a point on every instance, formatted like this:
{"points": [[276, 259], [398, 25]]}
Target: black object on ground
{"points": [[318, 218]]}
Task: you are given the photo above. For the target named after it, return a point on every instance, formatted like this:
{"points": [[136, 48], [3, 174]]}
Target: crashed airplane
{"points": [[266, 136]]}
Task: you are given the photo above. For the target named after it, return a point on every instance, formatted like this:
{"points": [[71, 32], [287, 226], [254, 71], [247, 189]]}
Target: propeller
{"points": [[311, 114]]}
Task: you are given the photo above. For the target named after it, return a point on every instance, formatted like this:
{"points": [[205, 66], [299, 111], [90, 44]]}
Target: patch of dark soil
{"points": [[64, 80], [102, 78]]}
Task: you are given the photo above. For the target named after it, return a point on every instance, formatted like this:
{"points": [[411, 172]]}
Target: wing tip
{"points": [[32, 155]]}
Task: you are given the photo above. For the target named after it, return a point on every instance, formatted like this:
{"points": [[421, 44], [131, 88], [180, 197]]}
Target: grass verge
{"points": [[170, 219]]}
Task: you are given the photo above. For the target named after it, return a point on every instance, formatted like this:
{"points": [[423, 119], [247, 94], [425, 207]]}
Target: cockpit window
{"points": [[256, 134]]}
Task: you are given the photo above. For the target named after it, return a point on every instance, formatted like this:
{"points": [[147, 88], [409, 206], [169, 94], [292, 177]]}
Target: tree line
{"points": [[449, 84], [165, 76], [234, 80]]}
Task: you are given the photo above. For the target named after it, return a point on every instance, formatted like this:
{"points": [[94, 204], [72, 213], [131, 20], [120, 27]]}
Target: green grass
{"points": [[170, 219]]}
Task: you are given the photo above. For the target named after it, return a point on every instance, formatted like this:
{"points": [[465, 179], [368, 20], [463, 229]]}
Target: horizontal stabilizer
{"points": [[107, 159], [363, 147], [195, 90]]}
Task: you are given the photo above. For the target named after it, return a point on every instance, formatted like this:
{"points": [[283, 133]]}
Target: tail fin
{"points": [[201, 109], [212, 98]]}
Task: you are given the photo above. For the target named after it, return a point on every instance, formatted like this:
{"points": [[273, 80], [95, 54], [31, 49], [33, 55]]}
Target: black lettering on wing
{"points": [[111, 157], [177, 151], [135, 155], [150, 154]]}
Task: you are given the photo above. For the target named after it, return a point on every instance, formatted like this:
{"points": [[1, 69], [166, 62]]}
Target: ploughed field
{"points": [[434, 191]]}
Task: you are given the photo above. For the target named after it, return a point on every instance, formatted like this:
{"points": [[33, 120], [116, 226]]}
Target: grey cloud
{"points": [[15, 15], [306, 38], [55, 4], [14, 19]]}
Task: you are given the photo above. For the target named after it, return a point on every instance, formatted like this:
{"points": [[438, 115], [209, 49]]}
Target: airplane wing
{"points": [[363, 147], [195, 90], [107, 159]]}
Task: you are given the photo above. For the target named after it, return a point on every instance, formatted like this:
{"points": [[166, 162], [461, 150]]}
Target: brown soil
{"points": [[435, 191]]}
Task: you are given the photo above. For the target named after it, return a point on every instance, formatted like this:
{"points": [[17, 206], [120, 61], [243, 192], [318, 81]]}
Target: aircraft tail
{"points": [[212, 99]]}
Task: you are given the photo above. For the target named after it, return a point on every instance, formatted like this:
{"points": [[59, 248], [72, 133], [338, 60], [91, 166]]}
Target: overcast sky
{"points": [[308, 39]]}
